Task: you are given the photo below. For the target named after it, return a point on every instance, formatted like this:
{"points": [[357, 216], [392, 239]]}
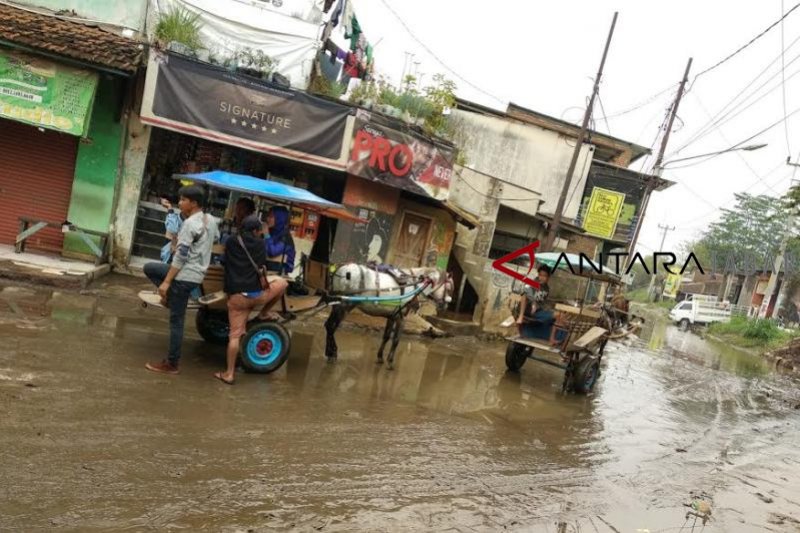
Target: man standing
{"points": [[176, 282]]}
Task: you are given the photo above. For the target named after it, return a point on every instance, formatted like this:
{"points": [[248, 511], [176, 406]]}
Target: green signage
{"points": [[45, 94]]}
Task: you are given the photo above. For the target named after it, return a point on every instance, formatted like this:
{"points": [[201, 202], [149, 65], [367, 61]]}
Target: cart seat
{"points": [[594, 334], [535, 344]]}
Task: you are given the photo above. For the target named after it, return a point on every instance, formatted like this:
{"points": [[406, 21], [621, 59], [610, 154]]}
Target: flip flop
{"points": [[220, 377]]}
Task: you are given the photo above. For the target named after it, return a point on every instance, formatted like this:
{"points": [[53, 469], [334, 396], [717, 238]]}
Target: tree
{"points": [[747, 237]]}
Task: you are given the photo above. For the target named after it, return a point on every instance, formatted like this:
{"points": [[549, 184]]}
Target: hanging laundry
{"points": [[341, 55], [337, 13], [354, 34], [351, 66], [327, 5], [347, 17]]}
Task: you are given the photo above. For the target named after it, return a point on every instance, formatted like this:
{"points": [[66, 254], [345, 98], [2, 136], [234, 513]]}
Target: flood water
{"points": [[448, 441]]}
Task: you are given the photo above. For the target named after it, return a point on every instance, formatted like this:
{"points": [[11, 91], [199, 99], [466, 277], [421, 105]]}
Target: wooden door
{"points": [[412, 240]]}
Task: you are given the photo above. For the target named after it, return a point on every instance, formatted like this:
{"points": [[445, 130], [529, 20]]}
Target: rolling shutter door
{"points": [[36, 174]]}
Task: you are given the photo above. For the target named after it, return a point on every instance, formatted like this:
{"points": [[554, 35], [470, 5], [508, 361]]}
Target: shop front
{"points": [[61, 129], [206, 118], [399, 180]]}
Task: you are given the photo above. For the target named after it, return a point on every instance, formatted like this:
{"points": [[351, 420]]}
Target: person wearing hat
{"points": [[247, 286]]}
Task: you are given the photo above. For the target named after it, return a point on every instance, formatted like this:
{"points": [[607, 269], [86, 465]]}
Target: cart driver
{"points": [[536, 317]]}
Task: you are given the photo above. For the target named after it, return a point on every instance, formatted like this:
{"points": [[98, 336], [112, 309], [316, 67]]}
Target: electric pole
{"points": [[778, 263], [660, 249], [556, 222], [657, 167]]}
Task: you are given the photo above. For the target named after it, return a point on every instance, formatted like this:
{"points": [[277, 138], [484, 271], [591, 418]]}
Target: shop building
{"points": [[197, 117], [65, 89]]}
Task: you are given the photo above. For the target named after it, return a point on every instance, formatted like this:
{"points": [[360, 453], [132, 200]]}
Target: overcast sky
{"points": [[543, 55]]}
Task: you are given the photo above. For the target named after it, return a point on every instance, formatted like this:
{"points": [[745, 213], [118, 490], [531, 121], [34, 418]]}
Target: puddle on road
{"points": [[447, 440], [662, 337]]}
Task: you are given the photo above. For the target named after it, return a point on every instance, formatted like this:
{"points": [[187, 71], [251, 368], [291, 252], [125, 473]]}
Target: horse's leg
{"points": [[398, 327], [331, 325], [387, 332]]}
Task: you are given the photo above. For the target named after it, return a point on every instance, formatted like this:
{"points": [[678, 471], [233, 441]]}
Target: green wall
{"points": [[96, 166]]}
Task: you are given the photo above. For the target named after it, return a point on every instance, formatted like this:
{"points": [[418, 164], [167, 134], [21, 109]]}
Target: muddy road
{"points": [[446, 442]]}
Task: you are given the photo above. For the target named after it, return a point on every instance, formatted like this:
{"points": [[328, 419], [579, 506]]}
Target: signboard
{"points": [[671, 285], [213, 103], [603, 212], [45, 94], [402, 159]]}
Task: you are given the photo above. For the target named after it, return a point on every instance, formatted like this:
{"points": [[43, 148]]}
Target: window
{"points": [[686, 307]]}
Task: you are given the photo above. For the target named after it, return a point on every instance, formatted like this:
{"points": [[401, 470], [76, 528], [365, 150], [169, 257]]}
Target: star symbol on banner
{"points": [[244, 123], [233, 121], [263, 128], [254, 125], [274, 131]]}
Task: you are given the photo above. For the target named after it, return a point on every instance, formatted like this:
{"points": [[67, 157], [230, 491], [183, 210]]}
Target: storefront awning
{"points": [[272, 190]]}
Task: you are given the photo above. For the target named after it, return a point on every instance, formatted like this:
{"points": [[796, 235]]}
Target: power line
{"points": [[783, 85], [643, 103], [724, 114], [603, 110], [436, 57], [746, 189], [745, 46]]}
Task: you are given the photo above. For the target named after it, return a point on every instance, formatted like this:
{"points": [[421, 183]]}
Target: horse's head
{"points": [[443, 288]]}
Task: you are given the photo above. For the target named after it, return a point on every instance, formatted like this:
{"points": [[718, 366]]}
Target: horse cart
{"points": [[582, 329], [266, 345]]}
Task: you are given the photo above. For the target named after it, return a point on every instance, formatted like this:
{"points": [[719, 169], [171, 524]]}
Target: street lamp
{"points": [[748, 148]]}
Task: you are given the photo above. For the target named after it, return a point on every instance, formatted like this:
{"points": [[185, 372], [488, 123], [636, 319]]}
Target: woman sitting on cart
{"points": [[244, 256], [279, 244], [536, 317]]}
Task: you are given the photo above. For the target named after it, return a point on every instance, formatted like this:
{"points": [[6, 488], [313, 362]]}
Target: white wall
{"points": [[531, 157], [234, 24]]}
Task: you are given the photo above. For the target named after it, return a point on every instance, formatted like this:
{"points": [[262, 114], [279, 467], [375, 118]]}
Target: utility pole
{"points": [[660, 249], [657, 168], [778, 263], [557, 215], [406, 67]]}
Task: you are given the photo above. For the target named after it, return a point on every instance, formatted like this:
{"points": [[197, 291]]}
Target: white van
{"points": [[701, 309]]}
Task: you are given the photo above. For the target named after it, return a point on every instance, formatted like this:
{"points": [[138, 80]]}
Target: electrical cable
{"points": [[745, 46], [603, 110], [783, 84], [643, 103], [436, 57], [746, 189], [724, 115]]}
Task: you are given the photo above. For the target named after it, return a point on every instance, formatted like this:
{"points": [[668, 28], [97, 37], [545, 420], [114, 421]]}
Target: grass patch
{"points": [[753, 333]]}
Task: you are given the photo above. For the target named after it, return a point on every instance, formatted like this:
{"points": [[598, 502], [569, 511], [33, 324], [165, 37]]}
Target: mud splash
{"points": [[448, 440]]}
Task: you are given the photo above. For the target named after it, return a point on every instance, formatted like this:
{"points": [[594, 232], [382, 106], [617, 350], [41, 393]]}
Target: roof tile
{"points": [[76, 40]]}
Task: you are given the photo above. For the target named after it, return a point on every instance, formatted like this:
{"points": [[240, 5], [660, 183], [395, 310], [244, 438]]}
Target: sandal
{"points": [[220, 376]]}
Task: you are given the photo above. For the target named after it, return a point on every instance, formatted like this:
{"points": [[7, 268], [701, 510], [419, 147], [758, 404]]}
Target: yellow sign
{"points": [[603, 212], [671, 285]]}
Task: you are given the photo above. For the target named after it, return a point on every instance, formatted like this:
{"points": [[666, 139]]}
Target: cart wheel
{"points": [[144, 305], [265, 347], [213, 326], [516, 355], [586, 374]]}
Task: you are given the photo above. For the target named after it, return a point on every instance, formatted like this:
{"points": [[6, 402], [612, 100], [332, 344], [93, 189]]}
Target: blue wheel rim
{"points": [[264, 348]]}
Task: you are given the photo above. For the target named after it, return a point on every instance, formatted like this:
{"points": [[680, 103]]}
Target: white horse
{"points": [[383, 291]]}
